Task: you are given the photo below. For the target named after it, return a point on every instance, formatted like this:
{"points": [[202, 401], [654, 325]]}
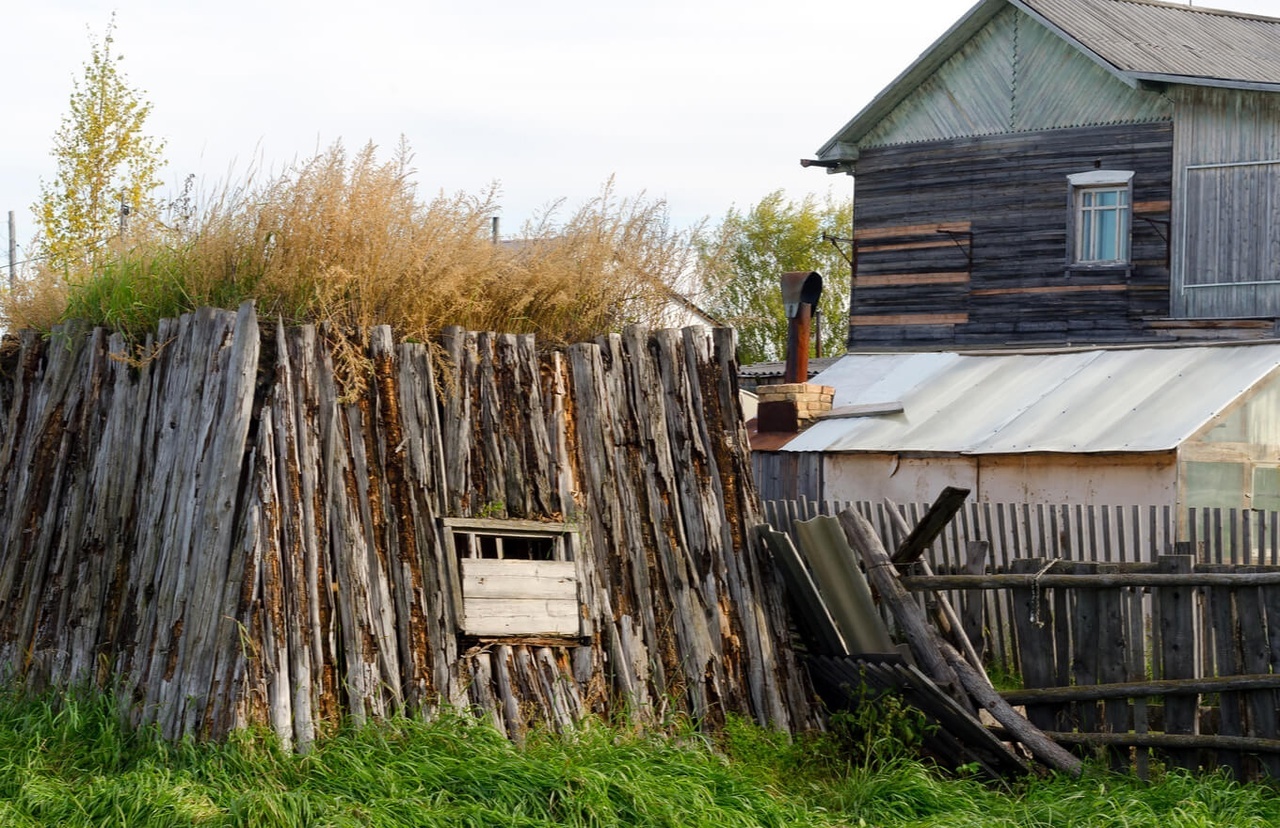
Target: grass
{"points": [[347, 240], [66, 761]]}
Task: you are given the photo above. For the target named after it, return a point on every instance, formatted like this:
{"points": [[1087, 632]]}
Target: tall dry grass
{"points": [[347, 240]]}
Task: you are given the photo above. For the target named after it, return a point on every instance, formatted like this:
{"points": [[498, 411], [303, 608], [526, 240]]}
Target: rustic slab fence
{"points": [[1202, 688], [221, 533]]}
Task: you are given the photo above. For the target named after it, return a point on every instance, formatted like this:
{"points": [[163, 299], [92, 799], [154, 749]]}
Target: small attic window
{"points": [[517, 578], [1101, 207]]}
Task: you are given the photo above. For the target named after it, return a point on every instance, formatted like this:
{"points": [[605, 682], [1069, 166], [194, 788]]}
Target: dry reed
{"points": [[347, 241]]}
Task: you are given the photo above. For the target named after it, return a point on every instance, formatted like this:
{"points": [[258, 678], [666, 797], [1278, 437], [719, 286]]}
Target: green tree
{"points": [[741, 263], [107, 165]]}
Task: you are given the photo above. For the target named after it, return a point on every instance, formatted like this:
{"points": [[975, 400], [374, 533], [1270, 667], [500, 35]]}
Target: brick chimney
{"points": [[795, 404]]}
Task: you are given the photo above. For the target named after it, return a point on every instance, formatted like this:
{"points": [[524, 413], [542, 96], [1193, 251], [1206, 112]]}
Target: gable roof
{"points": [[1085, 401], [1134, 40]]}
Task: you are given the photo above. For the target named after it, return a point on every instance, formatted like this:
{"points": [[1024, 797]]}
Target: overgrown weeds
{"points": [[348, 241]]}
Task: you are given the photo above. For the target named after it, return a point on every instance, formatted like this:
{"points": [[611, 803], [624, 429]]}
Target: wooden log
{"points": [[1040, 745], [933, 525], [925, 644]]}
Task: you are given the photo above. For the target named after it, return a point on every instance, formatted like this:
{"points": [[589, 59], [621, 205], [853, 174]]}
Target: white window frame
{"points": [[1096, 182], [503, 597]]}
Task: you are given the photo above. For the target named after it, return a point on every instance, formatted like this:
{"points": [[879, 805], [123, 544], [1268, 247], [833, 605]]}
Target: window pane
{"points": [[1107, 236]]}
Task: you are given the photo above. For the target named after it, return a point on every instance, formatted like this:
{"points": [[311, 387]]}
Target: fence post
{"points": [[1176, 605]]}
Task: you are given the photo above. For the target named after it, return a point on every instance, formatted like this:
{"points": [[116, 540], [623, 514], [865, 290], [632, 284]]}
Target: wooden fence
{"points": [[218, 531], [1113, 652], [1099, 534], [1170, 655]]}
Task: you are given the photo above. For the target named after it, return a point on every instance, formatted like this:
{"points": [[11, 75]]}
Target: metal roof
{"points": [[1143, 39], [1086, 401], [1135, 40]]}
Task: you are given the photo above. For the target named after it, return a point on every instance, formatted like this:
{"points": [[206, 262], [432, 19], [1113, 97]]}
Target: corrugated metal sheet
{"points": [[1149, 38], [1089, 401]]}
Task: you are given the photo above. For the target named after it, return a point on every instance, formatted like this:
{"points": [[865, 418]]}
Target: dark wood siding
{"points": [[964, 242]]}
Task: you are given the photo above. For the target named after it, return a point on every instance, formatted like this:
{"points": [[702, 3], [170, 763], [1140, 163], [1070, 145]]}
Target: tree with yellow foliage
{"points": [[108, 167]]}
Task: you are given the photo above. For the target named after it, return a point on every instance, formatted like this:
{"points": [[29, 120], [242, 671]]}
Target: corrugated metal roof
{"points": [[1133, 39], [1145, 38], [1087, 401]]}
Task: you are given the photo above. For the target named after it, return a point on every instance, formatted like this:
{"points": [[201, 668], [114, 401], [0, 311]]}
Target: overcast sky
{"points": [[707, 104]]}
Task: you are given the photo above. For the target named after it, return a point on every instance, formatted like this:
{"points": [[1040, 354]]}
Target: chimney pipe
{"points": [[801, 291]]}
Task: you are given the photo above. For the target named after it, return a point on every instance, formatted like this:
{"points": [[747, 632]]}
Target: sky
{"points": [[705, 104]]}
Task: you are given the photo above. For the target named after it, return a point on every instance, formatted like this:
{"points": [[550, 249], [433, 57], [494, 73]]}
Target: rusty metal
{"points": [[801, 291]]}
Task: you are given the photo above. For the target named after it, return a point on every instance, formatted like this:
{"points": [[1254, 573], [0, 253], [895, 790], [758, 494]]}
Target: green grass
{"points": [[67, 762]]}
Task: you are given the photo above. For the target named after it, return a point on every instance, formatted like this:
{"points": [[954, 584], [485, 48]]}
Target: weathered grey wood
{"points": [[953, 626], [980, 688], [1175, 604], [944, 508], [1134, 689], [972, 609], [1098, 581], [227, 530], [1036, 623], [926, 646]]}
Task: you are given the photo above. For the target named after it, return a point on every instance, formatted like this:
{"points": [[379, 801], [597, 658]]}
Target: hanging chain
{"points": [[1037, 617]]}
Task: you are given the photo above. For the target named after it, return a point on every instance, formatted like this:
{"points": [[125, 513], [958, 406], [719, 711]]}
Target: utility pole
{"points": [[13, 252], [124, 216]]}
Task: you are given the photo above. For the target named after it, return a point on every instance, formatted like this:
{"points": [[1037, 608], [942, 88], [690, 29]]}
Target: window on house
{"points": [[517, 578], [1101, 203]]}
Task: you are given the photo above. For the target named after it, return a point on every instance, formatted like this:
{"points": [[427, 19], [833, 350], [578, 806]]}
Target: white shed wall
{"points": [[1146, 479]]}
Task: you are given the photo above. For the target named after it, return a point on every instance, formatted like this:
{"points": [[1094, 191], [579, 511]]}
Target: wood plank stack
{"points": [[222, 532]]}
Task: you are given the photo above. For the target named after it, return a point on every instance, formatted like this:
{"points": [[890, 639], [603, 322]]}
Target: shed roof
{"points": [[1135, 40], [1084, 401]]}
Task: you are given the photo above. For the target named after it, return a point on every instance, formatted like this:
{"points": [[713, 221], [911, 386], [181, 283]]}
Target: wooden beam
{"points": [[1138, 689], [909, 319], [864, 234], [944, 508], [919, 583], [911, 279]]}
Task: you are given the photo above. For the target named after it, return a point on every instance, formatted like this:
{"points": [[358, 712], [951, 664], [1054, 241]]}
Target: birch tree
{"points": [[107, 166]]}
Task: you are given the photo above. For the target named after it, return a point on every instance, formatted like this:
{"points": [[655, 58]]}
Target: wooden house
{"points": [[1084, 171]]}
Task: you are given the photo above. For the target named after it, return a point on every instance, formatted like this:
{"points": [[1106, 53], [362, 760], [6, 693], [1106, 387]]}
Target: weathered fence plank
{"points": [[224, 531]]}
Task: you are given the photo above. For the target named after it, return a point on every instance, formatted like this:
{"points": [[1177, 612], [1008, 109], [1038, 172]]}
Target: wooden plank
{"points": [[1113, 646], [1176, 610], [1220, 613], [944, 508], [519, 616], [859, 319], [868, 233], [904, 279], [487, 578], [1263, 721], [1036, 629]]}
